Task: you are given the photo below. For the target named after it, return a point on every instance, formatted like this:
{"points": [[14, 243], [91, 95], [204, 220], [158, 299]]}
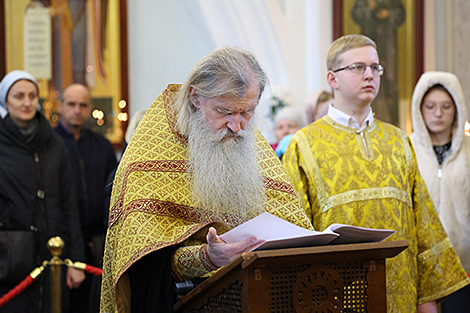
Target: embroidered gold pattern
{"points": [[367, 194], [190, 262], [151, 203], [338, 183]]}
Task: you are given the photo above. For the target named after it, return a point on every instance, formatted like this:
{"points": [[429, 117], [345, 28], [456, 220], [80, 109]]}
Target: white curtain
{"points": [[248, 24]]}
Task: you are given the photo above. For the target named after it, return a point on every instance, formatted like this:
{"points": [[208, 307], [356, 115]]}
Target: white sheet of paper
{"points": [[355, 234], [277, 233]]}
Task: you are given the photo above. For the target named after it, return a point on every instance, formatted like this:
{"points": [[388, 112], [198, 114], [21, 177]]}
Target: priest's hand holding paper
{"points": [[221, 253]]}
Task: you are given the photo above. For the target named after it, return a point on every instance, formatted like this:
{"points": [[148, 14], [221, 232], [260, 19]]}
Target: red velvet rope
{"points": [[17, 290], [29, 280], [93, 270]]}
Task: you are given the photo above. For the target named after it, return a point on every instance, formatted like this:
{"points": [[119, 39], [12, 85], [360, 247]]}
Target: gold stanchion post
{"points": [[55, 246]]}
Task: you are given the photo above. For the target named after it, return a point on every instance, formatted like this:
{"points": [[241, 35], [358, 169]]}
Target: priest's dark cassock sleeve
{"points": [[152, 283]]}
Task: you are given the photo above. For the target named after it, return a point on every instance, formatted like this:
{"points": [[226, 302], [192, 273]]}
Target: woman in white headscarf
{"points": [[287, 121], [443, 151], [36, 192]]}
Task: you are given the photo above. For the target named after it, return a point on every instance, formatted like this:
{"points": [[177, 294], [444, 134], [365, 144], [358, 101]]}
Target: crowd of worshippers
{"points": [[192, 171]]}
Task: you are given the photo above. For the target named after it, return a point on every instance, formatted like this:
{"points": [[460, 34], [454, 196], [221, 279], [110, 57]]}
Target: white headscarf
{"points": [[289, 113], [451, 83], [8, 81]]}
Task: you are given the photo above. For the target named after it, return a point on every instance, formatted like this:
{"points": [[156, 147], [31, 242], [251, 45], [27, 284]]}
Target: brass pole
{"points": [[55, 246]]}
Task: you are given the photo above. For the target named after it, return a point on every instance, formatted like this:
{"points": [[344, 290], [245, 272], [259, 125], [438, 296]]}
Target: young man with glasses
{"points": [[351, 168]]}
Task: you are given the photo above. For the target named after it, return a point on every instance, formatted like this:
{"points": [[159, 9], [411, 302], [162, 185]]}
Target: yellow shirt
{"points": [[370, 178]]}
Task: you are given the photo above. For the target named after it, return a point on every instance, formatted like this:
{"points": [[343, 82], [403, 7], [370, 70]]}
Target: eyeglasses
{"points": [[360, 68], [430, 106]]}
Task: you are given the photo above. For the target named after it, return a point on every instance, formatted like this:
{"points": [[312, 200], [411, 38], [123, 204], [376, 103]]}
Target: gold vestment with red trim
{"points": [[151, 204]]}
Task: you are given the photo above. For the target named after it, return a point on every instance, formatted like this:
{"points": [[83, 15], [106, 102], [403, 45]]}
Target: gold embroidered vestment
{"points": [[371, 179], [151, 205]]}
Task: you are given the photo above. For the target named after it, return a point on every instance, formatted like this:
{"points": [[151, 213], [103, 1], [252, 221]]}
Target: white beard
{"points": [[226, 178]]}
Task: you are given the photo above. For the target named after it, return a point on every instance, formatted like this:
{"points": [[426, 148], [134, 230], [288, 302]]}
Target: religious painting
{"points": [[392, 24], [61, 42]]}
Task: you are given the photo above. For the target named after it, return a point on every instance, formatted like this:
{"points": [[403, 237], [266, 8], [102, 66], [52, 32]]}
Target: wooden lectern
{"points": [[332, 278]]}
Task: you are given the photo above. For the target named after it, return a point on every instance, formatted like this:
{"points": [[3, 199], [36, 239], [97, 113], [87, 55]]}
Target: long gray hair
{"points": [[228, 70]]}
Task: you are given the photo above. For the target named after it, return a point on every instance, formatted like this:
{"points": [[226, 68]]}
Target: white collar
{"points": [[343, 119]]}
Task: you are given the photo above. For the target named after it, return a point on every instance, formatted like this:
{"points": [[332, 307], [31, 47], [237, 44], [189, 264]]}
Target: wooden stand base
{"points": [[341, 278]]}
